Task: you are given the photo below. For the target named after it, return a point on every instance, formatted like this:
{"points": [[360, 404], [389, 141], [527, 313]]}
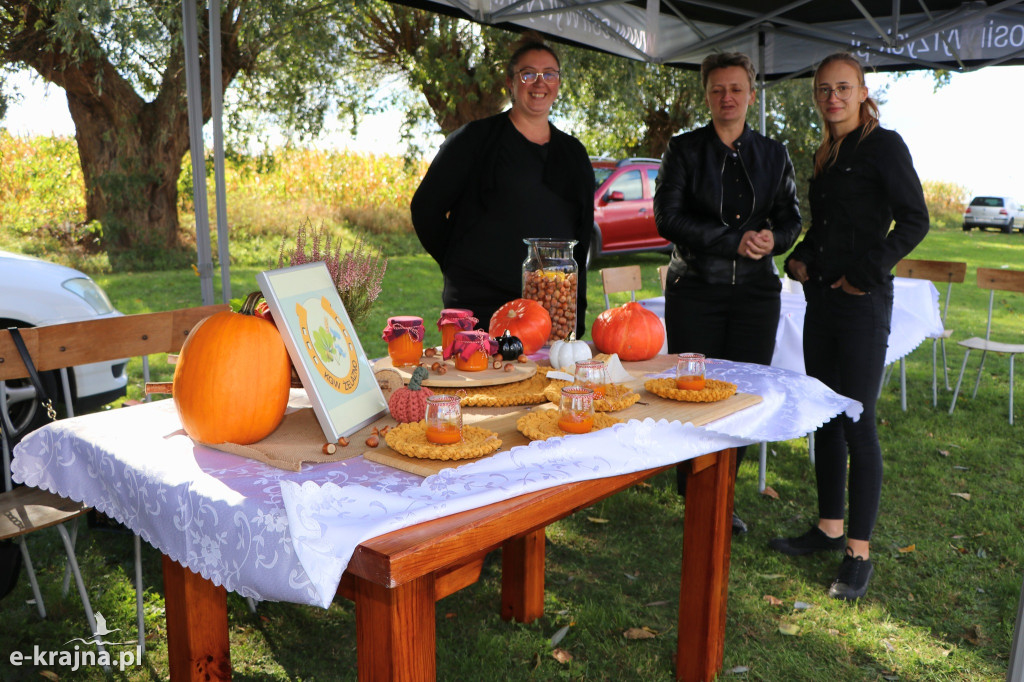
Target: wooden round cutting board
{"points": [[455, 378]]}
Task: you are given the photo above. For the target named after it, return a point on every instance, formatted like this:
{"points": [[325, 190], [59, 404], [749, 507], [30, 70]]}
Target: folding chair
{"points": [[938, 271], [26, 509], [619, 280], [994, 280]]}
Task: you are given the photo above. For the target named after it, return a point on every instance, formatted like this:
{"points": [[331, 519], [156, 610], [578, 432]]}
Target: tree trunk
{"points": [[131, 168]]}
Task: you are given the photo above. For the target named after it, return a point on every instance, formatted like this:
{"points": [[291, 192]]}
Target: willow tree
{"points": [[121, 66]]}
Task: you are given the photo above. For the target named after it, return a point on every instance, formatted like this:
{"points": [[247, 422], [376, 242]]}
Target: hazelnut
{"points": [[329, 448], [522, 358], [343, 442], [373, 441], [496, 364], [508, 367], [436, 366], [442, 370], [430, 352]]}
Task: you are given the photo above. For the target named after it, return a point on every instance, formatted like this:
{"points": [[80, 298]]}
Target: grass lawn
{"points": [[941, 606]]}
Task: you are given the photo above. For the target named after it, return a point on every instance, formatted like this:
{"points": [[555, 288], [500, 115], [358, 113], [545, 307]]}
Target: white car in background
{"points": [[1002, 213], [34, 293]]}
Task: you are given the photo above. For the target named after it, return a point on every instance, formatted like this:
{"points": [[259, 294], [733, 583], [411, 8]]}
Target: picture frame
{"points": [[324, 348]]}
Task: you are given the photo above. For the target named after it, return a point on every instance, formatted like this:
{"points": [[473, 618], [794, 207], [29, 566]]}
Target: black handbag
{"points": [[10, 551]]}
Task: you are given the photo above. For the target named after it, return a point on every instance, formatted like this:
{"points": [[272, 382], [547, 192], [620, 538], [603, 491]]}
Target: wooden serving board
{"points": [[455, 378], [503, 422]]}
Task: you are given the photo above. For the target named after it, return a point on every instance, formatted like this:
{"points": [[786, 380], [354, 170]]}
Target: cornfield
{"points": [[41, 188]]}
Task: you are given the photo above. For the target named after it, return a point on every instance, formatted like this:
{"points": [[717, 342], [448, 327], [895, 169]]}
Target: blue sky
{"points": [[969, 132]]}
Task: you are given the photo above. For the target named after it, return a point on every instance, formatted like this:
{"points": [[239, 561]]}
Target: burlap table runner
{"points": [[297, 439]]}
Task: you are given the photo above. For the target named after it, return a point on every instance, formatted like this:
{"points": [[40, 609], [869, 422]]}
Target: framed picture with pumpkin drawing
{"points": [[324, 348]]}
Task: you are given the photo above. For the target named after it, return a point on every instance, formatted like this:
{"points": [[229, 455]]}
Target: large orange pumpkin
{"points": [[523, 318], [232, 378], [630, 330]]}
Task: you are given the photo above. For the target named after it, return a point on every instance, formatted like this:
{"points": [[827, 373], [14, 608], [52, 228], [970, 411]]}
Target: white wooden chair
{"points": [[620, 280], [994, 280], [940, 272], [26, 509]]}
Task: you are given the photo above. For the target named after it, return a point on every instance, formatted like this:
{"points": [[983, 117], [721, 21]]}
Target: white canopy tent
{"points": [[786, 37]]}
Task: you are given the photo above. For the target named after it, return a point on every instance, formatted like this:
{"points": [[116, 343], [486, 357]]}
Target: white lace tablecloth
{"points": [[915, 317], [279, 535]]}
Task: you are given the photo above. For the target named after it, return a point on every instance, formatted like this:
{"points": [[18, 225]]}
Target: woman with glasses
{"points": [[864, 180], [499, 180], [726, 199]]}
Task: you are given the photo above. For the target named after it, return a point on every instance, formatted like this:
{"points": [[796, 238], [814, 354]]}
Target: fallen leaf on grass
{"points": [[770, 492], [774, 601], [888, 646], [658, 603], [789, 629], [640, 633], [449, 615], [833, 632], [962, 496], [890, 676], [557, 638], [907, 550], [49, 674], [738, 670], [957, 467], [771, 576], [632, 576], [944, 453], [973, 634], [561, 655], [801, 605], [595, 519]]}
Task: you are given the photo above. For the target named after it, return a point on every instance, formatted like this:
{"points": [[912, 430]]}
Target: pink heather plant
{"points": [[358, 273]]}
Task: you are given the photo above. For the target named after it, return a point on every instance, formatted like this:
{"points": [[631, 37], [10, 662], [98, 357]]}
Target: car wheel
{"points": [[1008, 228], [20, 410], [966, 228]]}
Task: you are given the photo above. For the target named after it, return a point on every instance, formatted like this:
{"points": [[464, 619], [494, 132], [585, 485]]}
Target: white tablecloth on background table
{"points": [[915, 317], [279, 535]]}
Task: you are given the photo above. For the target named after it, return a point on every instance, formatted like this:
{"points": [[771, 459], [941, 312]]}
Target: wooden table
{"points": [[396, 578]]}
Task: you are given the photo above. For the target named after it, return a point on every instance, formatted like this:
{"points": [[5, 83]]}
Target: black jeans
{"points": [[845, 339], [731, 322]]}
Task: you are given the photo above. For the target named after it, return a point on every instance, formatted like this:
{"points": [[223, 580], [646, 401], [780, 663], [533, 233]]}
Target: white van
{"points": [[1002, 213]]}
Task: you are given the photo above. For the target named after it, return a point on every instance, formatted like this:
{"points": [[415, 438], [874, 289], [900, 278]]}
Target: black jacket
{"points": [[853, 204], [688, 205], [449, 206]]}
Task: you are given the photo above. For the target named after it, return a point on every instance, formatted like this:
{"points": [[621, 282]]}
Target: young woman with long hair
{"points": [[864, 180]]}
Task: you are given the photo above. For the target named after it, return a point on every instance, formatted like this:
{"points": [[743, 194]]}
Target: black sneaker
{"points": [[852, 581], [738, 526], [810, 542]]}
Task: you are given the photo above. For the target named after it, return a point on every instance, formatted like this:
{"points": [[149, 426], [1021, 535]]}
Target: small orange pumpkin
{"points": [[630, 330], [524, 318], [232, 378]]}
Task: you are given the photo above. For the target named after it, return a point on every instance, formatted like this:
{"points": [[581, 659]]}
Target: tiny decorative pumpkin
{"points": [[630, 330], [524, 318], [509, 347], [567, 353], [232, 378], [409, 403]]}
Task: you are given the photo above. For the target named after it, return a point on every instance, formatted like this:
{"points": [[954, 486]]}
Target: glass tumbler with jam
{"points": [[690, 372], [444, 419], [592, 374], [550, 277], [576, 409], [404, 335], [453, 320]]}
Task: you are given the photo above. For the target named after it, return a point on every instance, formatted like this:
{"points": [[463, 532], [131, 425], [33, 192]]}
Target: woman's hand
{"points": [[798, 270], [841, 283], [756, 245]]}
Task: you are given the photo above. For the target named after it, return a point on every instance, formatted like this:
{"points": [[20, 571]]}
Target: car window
{"points": [[600, 175], [652, 177], [630, 184], [994, 202]]}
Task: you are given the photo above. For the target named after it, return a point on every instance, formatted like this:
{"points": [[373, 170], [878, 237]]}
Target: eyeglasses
{"points": [[843, 92], [550, 77]]}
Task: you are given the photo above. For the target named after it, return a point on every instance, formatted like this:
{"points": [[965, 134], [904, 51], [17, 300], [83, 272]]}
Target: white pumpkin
{"points": [[567, 353]]}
